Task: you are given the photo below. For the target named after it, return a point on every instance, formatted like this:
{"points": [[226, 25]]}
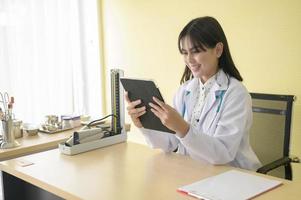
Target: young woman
{"points": [[212, 111]]}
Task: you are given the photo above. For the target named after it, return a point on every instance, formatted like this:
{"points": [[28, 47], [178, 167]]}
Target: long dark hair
{"points": [[207, 32]]}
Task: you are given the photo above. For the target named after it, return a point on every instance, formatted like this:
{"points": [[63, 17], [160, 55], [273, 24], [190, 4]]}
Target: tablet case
{"points": [[145, 90]]}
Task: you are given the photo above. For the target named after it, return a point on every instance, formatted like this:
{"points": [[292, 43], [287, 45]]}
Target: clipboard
{"points": [[145, 90], [230, 185]]}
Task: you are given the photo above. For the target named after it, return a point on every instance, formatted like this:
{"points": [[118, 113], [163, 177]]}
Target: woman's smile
{"points": [[194, 67]]}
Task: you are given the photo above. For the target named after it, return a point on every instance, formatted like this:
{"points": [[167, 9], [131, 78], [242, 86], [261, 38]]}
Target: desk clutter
{"points": [[13, 128], [7, 121], [54, 125]]}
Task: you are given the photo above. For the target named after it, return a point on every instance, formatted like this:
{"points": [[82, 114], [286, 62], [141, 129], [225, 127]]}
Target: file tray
{"points": [[81, 148]]}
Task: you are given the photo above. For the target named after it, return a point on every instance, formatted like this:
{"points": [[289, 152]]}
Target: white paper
{"points": [[231, 185]]}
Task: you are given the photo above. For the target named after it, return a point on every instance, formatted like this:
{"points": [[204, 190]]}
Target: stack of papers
{"points": [[231, 185]]}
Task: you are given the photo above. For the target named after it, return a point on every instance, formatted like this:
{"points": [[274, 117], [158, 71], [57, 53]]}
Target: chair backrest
{"points": [[270, 132]]}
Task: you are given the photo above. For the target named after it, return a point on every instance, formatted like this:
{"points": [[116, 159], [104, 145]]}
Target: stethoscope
{"points": [[218, 95]]}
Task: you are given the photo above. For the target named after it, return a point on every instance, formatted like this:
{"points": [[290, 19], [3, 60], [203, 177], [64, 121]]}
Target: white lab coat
{"points": [[222, 136]]}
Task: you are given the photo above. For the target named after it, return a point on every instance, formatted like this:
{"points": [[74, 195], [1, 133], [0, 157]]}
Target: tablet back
{"points": [[145, 90]]}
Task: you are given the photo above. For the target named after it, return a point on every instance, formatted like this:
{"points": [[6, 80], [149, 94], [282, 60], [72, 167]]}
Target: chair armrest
{"points": [[275, 164]]}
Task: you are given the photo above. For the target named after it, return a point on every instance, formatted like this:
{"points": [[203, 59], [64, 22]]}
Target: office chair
{"points": [[270, 133]]}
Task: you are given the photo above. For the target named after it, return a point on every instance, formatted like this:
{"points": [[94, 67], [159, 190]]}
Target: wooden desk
{"points": [[33, 144], [38, 143], [123, 171]]}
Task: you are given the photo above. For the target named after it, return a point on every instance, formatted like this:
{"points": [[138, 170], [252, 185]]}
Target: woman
{"points": [[212, 111]]}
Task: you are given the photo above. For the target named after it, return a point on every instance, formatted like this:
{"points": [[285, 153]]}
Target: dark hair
{"points": [[207, 32]]}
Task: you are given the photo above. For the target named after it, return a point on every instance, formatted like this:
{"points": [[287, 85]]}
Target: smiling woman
{"points": [[49, 57], [212, 112], [263, 36]]}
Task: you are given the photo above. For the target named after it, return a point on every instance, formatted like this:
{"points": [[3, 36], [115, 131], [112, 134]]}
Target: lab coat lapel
{"points": [[190, 96], [213, 96]]}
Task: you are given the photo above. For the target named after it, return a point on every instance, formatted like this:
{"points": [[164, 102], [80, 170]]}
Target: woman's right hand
{"points": [[135, 113]]}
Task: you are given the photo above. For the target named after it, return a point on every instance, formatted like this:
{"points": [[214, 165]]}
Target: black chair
{"points": [[270, 133]]}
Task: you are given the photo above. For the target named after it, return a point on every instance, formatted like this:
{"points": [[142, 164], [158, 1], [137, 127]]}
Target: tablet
{"points": [[145, 90]]}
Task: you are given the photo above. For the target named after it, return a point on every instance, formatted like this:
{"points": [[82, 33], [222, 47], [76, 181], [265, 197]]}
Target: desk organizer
{"points": [[81, 148]]}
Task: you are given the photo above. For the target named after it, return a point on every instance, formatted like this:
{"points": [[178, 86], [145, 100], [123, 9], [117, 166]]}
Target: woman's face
{"points": [[202, 64]]}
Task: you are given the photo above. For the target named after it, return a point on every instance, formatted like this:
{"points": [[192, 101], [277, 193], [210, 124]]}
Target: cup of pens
{"points": [[7, 131], [6, 115]]}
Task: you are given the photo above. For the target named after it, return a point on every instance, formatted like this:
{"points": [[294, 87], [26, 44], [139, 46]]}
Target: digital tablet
{"points": [[145, 90]]}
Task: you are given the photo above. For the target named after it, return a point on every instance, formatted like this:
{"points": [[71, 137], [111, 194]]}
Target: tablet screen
{"points": [[145, 90]]}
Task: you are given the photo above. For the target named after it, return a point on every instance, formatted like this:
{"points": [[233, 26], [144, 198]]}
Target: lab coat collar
{"points": [[222, 80], [192, 86], [221, 84]]}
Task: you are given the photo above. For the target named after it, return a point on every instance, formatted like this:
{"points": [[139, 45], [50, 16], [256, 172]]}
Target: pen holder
{"points": [[8, 135]]}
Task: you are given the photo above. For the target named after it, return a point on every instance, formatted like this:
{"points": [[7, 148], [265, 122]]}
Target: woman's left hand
{"points": [[169, 117]]}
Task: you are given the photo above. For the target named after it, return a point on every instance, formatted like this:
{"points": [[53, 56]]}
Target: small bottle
{"points": [[67, 123]]}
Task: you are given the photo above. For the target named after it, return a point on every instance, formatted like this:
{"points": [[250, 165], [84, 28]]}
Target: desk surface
{"points": [[38, 143], [122, 171], [33, 144]]}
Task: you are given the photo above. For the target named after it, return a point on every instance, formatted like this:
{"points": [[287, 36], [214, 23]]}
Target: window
{"points": [[49, 57]]}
